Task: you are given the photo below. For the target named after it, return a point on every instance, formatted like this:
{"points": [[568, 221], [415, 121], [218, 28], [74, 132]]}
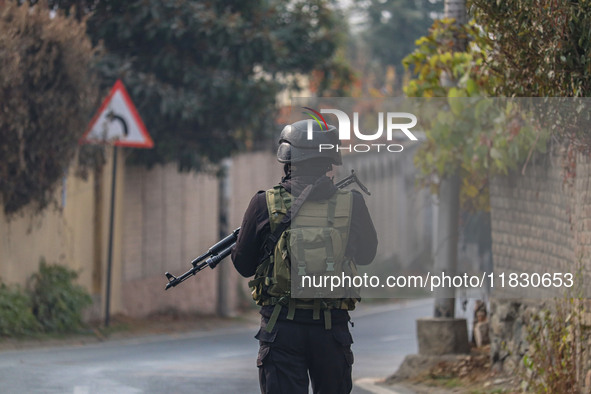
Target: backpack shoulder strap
{"points": [[273, 238], [277, 206], [275, 234]]}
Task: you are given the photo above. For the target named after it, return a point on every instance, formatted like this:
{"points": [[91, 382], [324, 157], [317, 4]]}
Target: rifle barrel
{"points": [[215, 260], [224, 243]]}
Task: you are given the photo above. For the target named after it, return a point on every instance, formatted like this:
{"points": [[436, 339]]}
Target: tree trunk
{"points": [[446, 248]]}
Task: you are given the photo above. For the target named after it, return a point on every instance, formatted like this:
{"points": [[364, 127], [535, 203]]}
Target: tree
{"points": [[79, 8], [46, 97], [393, 26], [205, 75], [543, 49], [468, 140]]}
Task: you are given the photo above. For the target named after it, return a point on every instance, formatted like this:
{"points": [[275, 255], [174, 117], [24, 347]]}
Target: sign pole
{"points": [[116, 123], [110, 250]]}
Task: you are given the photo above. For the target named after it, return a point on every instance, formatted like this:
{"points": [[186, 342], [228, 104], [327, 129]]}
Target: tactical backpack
{"points": [[313, 245]]}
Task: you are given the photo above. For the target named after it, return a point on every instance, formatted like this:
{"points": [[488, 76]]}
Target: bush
{"points": [[47, 96], [16, 315], [56, 300], [556, 337]]}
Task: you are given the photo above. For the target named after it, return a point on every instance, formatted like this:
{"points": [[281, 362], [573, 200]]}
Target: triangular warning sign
{"points": [[117, 122]]}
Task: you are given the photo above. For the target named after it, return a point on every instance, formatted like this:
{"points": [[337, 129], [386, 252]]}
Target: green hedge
{"points": [[16, 313], [52, 303]]}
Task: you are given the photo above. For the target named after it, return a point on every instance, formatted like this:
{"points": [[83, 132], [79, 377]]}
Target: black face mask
{"points": [[312, 169], [324, 187]]}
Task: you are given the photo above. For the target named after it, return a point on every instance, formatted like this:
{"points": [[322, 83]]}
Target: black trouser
{"points": [[293, 350]]}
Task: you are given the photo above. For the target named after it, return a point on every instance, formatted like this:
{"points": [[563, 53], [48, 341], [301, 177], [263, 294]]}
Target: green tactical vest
{"points": [[314, 244]]}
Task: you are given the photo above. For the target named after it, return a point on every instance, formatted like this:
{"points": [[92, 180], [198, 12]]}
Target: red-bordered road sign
{"points": [[117, 122]]}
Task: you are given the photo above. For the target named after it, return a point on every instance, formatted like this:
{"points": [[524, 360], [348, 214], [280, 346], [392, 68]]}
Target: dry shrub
{"points": [[47, 94], [556, 338]]}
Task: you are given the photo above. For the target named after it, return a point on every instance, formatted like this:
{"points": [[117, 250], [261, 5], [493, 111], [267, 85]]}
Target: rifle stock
{"points": [[223, 248]]}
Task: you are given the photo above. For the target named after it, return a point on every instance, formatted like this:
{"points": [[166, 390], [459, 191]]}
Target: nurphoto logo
{"points": [[395, 121]]}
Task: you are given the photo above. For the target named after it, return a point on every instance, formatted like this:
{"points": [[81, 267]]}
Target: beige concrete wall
{"points": [[73, 232], [170, 219], [59, 234], [163, 220]]}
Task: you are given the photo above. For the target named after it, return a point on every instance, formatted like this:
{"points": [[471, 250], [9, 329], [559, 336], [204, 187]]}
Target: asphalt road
{"points": [[218, 362]]}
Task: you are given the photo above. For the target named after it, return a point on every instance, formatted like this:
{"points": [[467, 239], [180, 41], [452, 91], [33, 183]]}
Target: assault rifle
{"points": [[223, 248]]}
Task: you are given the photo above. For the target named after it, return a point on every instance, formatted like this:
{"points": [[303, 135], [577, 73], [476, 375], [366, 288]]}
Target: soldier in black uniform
{"points": [[302, 345]]}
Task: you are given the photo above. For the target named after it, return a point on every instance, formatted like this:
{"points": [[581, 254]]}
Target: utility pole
{"points": [[444, 334], [446, 245], [224, 307]]}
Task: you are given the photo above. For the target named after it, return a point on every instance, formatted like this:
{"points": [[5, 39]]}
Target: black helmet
{"points": [[295, 147]]}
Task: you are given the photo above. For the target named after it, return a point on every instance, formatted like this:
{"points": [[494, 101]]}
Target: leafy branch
{"points": [[472, 132]]}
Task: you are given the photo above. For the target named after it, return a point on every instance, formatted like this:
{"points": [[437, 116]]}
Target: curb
{"points": [[377, 386]]}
